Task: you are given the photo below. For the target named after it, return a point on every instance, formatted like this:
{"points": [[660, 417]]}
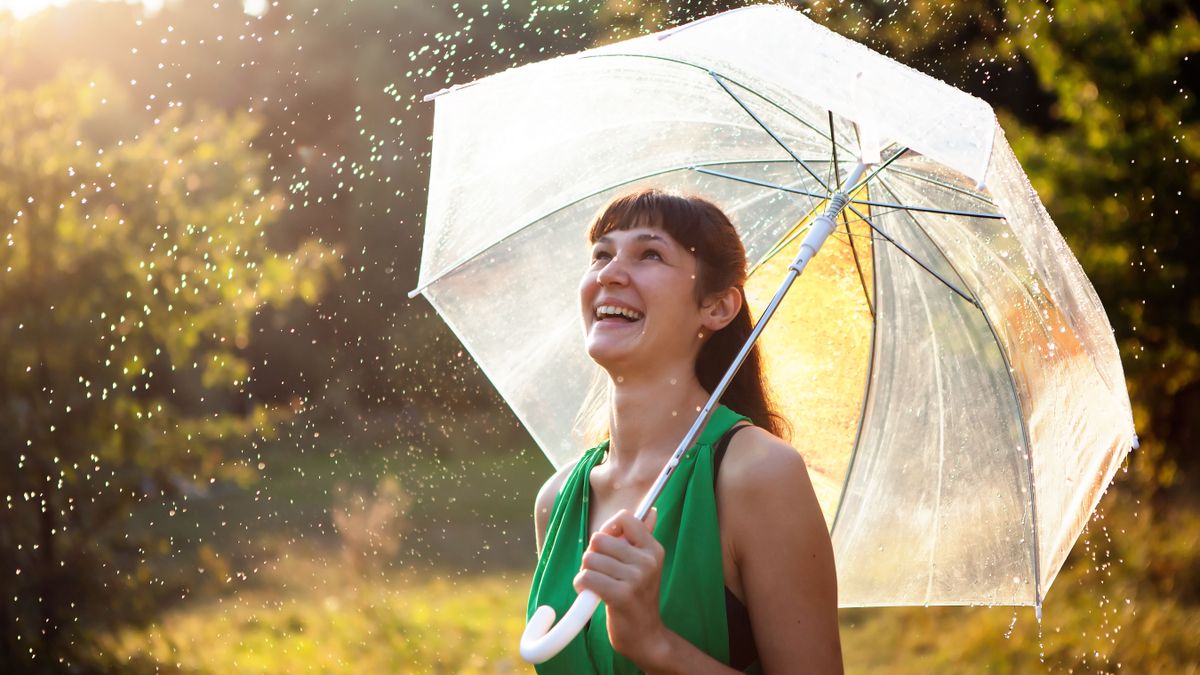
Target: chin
{"points": [[605, 356], [611, 357]]}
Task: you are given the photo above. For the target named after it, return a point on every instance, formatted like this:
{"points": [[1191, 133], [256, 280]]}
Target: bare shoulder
{"points": [[764, 479], [545, 501], [758, 460], [782, 552], [549, 490]]}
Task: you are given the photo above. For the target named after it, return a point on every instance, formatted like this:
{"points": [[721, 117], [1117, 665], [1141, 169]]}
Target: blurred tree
{"points": [[1115, 169], [338, 88], [129, 277]]}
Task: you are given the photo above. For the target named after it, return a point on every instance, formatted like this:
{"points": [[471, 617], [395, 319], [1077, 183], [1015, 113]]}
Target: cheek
{"points": [[587, 291], [677, 305]]}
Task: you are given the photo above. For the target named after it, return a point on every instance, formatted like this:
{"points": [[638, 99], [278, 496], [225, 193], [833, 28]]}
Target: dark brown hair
{"points": [[703, 228]]}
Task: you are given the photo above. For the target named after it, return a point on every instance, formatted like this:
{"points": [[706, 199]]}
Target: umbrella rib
{"points": [[837, 176], [846, 219], [915, 259], [775, 186], [795, 234], [850, 206], [1028, 454], [1008, 272], [941, 408], [933, 181], [1027, 446], [867, 389], [857, 265], [784, 188], [771, 132], [760, 183], [925, 209], [928, 209], [875, 172]]}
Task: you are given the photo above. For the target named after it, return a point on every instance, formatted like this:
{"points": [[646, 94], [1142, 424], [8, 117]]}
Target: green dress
{"points": [[692, 590]]}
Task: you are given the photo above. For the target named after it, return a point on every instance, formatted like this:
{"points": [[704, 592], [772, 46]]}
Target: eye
{"points": [[651, 253], [600, 254]]}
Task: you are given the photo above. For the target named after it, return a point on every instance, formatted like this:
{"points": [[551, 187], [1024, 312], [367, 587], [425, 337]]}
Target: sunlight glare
{"points": [[21, 9]]}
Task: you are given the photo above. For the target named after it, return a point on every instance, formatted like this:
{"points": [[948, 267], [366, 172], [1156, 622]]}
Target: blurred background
{"points": [[230, 443]]}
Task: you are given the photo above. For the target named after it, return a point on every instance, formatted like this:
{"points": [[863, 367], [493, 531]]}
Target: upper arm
{"points": [[545, 503], [784, 556]]}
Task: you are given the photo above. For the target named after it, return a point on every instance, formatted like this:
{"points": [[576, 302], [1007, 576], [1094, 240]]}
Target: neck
{"points": [[648, 417]]}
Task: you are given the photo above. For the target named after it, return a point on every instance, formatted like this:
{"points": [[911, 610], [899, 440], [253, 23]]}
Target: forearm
{"points": [[677, 656]]}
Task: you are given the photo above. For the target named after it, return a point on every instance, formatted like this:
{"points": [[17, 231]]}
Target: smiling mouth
{"points": [[613, 313]]}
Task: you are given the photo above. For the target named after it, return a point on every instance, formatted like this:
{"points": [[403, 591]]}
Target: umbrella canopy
{"points": [[949, 371]]}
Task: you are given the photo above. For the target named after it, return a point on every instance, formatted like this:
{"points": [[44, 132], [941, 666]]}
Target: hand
{"points": [[623, 566]]}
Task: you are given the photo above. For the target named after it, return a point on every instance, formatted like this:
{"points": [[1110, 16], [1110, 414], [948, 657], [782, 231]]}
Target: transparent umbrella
{"points": [[951, 375]]}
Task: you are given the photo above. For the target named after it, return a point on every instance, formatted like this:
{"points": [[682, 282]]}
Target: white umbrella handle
{"points": [[539, 642]]}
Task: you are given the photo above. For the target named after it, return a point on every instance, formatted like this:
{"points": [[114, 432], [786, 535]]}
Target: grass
{"points": [[335, 621], [1109, 611], [261, 580]]}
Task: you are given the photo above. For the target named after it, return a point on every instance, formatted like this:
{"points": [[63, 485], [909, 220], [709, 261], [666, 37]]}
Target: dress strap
{"points": [[721, 446], [743, 652]]}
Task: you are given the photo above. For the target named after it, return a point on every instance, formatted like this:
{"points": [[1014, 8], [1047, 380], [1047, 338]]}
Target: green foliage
{"points": [[1115, 167], [129, 278]]}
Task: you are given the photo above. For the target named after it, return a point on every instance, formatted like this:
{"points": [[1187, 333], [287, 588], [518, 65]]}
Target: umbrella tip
{"points": [[1136, 444], [429, 97], [663, 35], [414, 293], [981, 186]]}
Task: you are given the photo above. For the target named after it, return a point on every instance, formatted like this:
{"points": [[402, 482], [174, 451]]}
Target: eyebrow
{"points": [[640, 237]]}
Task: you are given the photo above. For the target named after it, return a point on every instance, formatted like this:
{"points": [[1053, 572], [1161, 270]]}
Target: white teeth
{"points": [[609, 310]]}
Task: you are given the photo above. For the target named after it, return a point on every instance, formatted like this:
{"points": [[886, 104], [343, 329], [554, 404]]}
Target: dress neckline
{"points": [[709, 435]]}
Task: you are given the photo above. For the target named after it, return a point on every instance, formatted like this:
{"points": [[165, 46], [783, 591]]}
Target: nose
{"points": [[613, 272]]}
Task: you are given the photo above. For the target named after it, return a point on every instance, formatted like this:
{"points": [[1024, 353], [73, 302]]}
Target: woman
{"points": [[664, 314]]}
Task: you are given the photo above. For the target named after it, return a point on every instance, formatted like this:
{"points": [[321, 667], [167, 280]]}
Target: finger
{"points": [[612, 526], [607, 565], [618, 548], [652, 519], [611, 591], [637, 532]]}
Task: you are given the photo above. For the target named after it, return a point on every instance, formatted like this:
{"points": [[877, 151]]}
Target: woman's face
{"points": [[638, 300]]}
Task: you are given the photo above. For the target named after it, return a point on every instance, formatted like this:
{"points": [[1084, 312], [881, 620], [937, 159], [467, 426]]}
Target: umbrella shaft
{"points": [[820, 230]]}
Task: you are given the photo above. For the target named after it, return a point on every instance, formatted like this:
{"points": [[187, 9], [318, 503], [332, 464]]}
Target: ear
{"points": [[720, 308]]}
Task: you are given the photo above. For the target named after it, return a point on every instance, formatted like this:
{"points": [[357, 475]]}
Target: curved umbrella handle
{"points": [[539, 642]]}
